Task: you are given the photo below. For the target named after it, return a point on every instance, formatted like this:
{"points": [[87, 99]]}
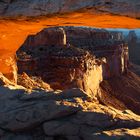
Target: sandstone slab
{"points": [[56, 128], [31, 114]]}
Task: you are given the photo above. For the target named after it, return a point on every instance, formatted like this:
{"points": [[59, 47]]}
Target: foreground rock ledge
{"points": [[61, 115]]}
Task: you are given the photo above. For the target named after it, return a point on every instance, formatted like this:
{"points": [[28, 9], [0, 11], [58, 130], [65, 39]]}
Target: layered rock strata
{"points": [[67, 57], [71, 113], [65, 68]]}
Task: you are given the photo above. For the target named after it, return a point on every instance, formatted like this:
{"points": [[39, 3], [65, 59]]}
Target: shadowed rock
{"points": [[66, 114], [12, 8], [74, 57], [28, 115]]}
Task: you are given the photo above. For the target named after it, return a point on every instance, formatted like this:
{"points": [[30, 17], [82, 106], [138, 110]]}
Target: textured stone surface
{"points": [[54, 128], [69, 115], [127, 92], [132, 37], [44, 7], [5, 81], [23, 115], [66, 68], [82, 54], [69, 118], [55, 95], [11, 74], [32, 82]]}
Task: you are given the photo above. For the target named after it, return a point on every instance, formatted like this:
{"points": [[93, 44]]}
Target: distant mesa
{"points": [[134, 47], [132, 37]]}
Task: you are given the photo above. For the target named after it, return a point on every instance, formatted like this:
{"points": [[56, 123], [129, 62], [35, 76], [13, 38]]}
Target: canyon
{"points": [[57, 55], [68, 87], [65, 74]]}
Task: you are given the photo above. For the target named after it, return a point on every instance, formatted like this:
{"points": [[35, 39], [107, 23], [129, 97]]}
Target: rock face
{"points": [[65, 68], [102, 44], [126, 92], [11, 65], [74, 58], [132, 38], [52, 37], [4, 80], [32, 82], [68, 115], [134, 49], [11, 8]]}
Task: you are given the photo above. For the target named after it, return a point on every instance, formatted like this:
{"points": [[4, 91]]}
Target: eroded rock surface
{"points": [[32, 82], [71, 57], [98, 97], [12, 8], [62, 115], [127, 92]]}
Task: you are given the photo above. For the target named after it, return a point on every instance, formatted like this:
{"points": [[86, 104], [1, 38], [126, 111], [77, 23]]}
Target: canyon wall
{"points": [[89, 56], [18, 8], [99, 42], [134, 46], [64, 68]]}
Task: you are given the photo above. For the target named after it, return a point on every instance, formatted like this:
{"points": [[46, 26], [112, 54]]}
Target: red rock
{"points": [[74, 65]]}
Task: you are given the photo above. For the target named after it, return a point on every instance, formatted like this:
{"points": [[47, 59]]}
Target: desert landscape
{"points": [[69, 70]]}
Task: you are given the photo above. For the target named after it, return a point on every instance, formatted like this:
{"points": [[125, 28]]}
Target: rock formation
{"points": [[134, 49], [122, 91], [98, 97], [14, 8], [58, 115], [88, 54], [32, 82], [132, 38], [65, 68], [11, 66], [5, 81]]}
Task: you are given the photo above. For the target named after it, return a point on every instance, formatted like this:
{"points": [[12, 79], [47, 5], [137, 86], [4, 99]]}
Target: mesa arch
{"points": [[14, 32], [91, 54]]}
